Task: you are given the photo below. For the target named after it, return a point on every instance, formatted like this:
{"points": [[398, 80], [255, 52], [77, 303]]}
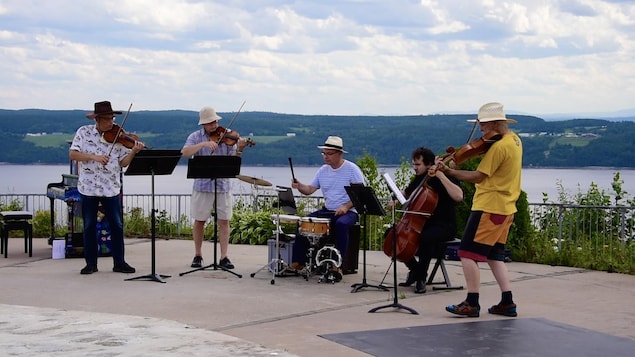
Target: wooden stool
{"points": [[14, 221], [442, 247]]}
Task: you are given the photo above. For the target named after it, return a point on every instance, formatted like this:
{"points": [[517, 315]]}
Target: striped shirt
{"points": [[332, 181], [207, 185]]}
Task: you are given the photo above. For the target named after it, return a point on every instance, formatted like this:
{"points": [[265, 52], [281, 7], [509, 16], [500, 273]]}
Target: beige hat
{"points": [[491, 112], [207, 115], [333, 143]]}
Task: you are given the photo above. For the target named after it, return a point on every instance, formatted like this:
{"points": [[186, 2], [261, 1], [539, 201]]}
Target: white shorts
{"points": [[202, 205]]}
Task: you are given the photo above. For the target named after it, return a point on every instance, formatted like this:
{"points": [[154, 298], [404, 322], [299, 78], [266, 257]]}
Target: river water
{"points": [[32, 179]]}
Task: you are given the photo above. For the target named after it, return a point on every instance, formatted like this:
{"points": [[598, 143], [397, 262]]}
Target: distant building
{"points": [[290, 134]]}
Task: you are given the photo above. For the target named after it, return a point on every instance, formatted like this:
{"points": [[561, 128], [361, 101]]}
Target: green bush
{"points": [[251, 227], [42, 225]]}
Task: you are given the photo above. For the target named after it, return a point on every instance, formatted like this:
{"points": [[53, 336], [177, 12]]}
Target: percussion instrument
{"points": [[314, 228], [284, 218], [253, 180], [328, 260]]}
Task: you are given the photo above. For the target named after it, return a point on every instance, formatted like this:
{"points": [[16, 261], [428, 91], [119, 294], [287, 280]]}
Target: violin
{"points": [[228, 137], [472, 149], [117, 134]]}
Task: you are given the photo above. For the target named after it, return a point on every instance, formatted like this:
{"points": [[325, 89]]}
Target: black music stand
{"points": [[395, 304], [153, 162], [213, 167], [365, 202]]}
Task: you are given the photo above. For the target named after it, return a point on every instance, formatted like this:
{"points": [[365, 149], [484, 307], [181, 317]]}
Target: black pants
{"points": [[430, 244]]}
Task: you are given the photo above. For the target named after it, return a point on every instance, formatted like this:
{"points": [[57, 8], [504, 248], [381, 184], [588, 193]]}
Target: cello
{"points": [[420, 206]]}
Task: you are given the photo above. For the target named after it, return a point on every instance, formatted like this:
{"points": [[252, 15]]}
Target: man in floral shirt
{"points": [[99, 181]]}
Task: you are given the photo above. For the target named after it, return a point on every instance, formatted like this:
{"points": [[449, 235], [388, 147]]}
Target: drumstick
{"points": [[292, 174]]}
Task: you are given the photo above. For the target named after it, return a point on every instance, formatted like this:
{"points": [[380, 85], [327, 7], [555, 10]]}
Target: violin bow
{"points": [[120, 129], [232, 121], [469, 138]]}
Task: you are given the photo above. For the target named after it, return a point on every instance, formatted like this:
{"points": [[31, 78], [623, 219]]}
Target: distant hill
{"points": [[37, 136]]}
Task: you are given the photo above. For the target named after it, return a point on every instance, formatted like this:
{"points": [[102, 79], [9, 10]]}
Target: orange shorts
{"points": [[485, 236]]}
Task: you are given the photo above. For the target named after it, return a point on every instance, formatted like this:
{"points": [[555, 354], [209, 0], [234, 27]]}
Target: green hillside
{"points": [[40, 136]]}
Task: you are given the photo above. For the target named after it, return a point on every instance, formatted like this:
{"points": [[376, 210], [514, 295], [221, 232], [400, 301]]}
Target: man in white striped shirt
{"points": [[331, 178]]}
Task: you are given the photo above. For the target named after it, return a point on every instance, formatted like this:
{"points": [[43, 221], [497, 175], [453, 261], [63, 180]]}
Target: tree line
{"points": [[388, 139]]}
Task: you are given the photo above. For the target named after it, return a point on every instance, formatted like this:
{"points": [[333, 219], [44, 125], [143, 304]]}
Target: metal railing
{"points": [[561, 222]]}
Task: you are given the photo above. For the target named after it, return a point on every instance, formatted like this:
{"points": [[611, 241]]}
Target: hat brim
{"points": [[332, 148], [507, 120], [93, 115], [209, 120]]}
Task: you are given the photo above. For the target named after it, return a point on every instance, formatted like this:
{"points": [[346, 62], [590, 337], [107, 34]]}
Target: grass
{"points": [[56, 140], [578, 142], [49, 140]]}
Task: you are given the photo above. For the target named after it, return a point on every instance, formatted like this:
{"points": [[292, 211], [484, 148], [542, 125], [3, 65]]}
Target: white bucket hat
{"points": [[333, 143], [207, 115], [491, 112]]}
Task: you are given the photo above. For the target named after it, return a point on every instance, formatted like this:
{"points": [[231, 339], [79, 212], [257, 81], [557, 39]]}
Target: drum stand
{"points": [[308, 268], [277, 264]]}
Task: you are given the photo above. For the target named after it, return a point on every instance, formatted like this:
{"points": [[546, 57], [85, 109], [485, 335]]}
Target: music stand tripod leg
{"points": [[395, 304], [153, 276], [359, 286]]}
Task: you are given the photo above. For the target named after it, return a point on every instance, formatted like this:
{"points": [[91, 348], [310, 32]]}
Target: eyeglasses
{"points": [[106, 117], [324, 153]]}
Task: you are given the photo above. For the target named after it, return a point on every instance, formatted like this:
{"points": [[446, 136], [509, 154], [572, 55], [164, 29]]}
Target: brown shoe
{"points": [[296, 266], [508, 310], [464, 309]]}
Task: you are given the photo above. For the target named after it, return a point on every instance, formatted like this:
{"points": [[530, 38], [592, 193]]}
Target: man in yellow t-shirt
{"points": [[497, 180]]}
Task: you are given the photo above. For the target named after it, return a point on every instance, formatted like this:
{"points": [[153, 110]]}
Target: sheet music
{"points": [[394, 189]]}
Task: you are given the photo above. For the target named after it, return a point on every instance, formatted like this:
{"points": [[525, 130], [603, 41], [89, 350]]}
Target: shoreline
{"points": [[378, 166]]}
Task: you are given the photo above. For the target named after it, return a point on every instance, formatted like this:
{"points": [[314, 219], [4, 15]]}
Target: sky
{"points": [[339, 57]]}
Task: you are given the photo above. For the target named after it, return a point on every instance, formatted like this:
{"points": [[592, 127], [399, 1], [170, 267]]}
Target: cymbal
{"points": [[253, 180]]}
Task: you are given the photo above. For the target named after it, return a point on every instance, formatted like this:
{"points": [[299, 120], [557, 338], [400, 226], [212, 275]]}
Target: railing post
{"points": [[560, 222]]}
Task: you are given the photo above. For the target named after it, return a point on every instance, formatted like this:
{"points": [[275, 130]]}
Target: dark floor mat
{"points": [[505, 337]]}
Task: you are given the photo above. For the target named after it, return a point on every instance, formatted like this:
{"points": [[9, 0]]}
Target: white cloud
{"points": [[329, 56]]}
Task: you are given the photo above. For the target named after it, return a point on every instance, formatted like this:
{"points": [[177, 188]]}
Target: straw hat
{"points": [[333, 143], [207, 115], [491, 112]]}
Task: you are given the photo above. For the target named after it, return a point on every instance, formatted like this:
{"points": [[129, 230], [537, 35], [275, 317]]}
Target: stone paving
{"points": [[47, 308]]}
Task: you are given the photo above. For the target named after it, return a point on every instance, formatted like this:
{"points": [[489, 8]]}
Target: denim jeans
{"points": [[113, 211]]}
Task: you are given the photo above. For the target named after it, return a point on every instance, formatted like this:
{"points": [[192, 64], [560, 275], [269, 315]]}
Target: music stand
{"points": [[213, 167], [365, 202], [395, 304], [153, 162]]}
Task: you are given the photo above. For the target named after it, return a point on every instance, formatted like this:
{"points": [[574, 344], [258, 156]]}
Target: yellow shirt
{"points": [[502, 164]]}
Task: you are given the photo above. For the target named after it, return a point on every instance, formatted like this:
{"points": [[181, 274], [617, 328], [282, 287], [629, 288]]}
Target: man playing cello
{"points": [[441, 225]]}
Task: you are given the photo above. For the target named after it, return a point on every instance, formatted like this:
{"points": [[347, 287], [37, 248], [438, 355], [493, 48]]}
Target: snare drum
{"points": [[313, 227]]}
